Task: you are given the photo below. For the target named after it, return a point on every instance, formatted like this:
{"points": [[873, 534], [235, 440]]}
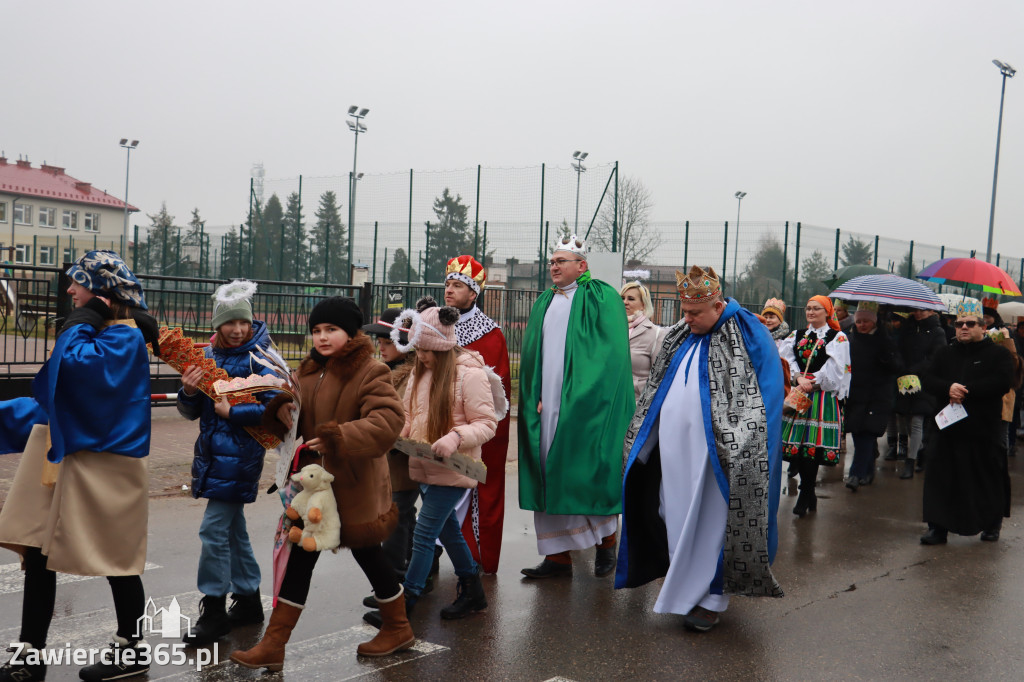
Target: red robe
{"points": [[485, 518]]}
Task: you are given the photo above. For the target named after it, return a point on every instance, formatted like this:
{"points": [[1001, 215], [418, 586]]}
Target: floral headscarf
{"points": [[830, 311], [104, 273]]}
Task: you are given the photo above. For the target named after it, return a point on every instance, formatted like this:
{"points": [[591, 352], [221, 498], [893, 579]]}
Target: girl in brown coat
{"points": [[350, 417]]}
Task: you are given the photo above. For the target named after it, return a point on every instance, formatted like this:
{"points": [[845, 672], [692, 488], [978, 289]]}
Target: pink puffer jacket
{"points": [[473, 414]]}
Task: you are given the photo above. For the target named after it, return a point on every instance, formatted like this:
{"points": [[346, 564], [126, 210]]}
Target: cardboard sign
{"points": [[458, 462]]}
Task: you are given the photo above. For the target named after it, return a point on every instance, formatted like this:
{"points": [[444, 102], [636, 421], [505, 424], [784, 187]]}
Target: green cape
{"points": [[584, 464]]}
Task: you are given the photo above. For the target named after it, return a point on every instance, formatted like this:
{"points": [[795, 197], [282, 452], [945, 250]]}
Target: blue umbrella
{"points": [[889, 290]]}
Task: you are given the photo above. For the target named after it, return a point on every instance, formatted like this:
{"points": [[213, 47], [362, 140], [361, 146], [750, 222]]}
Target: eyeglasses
{"points": [[562, 261], [970, 324]]}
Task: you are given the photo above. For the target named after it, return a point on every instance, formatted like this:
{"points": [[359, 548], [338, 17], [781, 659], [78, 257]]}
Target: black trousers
{"points": [[41, 594], [372, 560]]}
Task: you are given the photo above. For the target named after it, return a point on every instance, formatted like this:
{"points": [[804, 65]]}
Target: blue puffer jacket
{"points": [[228, 461]]}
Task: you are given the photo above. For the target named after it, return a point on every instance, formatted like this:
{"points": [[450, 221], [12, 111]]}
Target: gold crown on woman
{"points": [[698, 285]]}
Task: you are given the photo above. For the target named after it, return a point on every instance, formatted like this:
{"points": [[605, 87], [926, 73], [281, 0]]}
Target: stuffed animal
{"points": [[316, 505]]}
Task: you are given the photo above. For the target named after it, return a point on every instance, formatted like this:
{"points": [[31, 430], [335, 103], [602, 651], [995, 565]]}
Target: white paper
{"points": [[950, 414]]}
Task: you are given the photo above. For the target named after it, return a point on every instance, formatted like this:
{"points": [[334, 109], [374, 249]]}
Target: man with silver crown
{"points": [[482, 511], [576, 398], [965, 483], [703, 460]]}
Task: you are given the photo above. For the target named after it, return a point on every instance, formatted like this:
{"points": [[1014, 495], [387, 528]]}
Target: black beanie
{"points": [[339, 311]]}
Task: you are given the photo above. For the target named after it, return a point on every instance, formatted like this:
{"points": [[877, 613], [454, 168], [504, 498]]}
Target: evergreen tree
{"points": [[194, 245], [294, 247], [762, 278], [399, 270], [813, 273], [159, 248], [329, 242], [266, 240], [231, 261], [856, 252], [447, 236]]}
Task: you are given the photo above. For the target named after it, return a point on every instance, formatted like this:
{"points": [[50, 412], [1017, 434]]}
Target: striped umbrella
{"points": [[889, 290], [971, 273]]}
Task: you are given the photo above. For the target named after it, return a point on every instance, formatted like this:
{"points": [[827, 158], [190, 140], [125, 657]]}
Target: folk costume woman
{"points": [[819, 361], [350, 418], [774, 314], [91, 415]]}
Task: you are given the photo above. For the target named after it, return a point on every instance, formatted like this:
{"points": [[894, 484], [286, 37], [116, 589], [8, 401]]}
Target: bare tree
{"points": [[635, 237]]}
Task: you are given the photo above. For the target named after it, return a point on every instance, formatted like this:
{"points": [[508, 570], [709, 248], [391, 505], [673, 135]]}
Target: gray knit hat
{"points": [[233, 301]]}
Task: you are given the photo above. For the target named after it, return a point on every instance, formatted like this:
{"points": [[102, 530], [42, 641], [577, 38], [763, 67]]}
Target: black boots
{"points": [[22, 670], [469, 598], [213, 622], [246, 609], [934, 536], [908, 469], [805, 502], [604, 561]]}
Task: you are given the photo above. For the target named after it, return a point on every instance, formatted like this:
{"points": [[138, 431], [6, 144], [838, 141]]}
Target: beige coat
{"points": [[644, 342], [473, 414]]}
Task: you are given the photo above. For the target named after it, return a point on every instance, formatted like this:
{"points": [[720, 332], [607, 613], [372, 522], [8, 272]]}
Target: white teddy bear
{"points": [[316, 505]]}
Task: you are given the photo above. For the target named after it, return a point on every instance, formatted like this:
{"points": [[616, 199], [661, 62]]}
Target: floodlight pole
{"points": [[356, 127], [736, 245], [127, 165], [1007, 72]]}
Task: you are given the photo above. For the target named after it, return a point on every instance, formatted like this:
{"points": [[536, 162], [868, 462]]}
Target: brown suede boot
{"points": [[395, 632], [269, 653]]}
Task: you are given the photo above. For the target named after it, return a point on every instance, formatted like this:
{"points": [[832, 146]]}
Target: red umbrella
{"points": [[972, 273]]}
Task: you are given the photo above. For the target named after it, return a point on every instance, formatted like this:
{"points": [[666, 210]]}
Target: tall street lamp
{"points": [[1007, 72], [577, 163], [127, 164], [736, 245], [356, 126]]}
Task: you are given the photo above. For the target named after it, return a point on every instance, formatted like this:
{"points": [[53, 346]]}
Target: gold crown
{"points": [[467, 270], [698, 285]]}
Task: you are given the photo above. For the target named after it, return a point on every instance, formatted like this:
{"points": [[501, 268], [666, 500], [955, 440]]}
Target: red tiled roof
{"points": [[53, 183]]}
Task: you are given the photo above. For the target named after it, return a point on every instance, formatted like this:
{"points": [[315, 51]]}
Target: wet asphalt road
{"points": [[864, 600]]}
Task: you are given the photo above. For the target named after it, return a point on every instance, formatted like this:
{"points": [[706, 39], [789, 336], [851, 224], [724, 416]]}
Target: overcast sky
{"points": [[871, 116]]}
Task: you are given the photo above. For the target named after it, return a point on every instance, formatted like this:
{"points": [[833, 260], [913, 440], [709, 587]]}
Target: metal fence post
{"points": [[426, 260], [135, 251], [875, 263], [540, 250], [476, 220], [615, 215], [374, 276], [366, 300], [725, 249], [910, 261], [686, 246], [408, 254], [796, 271], [785, 260], [835, 264]]}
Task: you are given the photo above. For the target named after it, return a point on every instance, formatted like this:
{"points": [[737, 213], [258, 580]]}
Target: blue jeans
{"points": [[437, 521], [226, 562]]}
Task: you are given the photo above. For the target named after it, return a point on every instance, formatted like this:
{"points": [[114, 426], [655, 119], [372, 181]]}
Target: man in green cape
{"points": [[575, 403]]}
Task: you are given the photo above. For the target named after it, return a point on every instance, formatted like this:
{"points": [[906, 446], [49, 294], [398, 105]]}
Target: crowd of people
{"points": [[660, 447]]}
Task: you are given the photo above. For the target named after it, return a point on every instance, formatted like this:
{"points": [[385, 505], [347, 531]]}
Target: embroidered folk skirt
{"points": [[815, 434], [93, 522]]}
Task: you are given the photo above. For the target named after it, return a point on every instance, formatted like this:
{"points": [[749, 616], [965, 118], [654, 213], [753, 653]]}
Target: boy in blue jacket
{"points": [[226, 468]]}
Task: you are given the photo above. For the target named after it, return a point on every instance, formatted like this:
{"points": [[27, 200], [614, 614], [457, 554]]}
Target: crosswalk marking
{"points": [[329, 657], [13, 580]]}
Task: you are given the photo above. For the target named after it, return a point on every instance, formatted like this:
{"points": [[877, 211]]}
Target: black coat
{"points": [[964, 481], [875, 363], [918, 341]]}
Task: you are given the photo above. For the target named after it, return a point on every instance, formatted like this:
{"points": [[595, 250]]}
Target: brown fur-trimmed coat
{"points": [[352, 407]]}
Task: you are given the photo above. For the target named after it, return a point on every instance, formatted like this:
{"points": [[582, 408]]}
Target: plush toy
{"points": [[316, 505]]}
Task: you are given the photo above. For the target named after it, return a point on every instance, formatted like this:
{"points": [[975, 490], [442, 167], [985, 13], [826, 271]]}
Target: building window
{"points": [[47, 217], [70, 220], [22, 214], [47, 255], [21, 253], [92, 222], [3, 211], [69, 257]]}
